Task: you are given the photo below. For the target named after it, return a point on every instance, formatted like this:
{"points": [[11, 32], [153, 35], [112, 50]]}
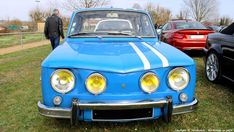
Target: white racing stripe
{"points": [[141, 55], [156, 52]]}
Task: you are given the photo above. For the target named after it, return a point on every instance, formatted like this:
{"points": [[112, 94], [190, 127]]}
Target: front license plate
{"points": [[197, 36]]}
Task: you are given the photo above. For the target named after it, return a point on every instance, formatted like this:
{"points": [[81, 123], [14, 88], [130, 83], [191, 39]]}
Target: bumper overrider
{"points": [[166, 106]]}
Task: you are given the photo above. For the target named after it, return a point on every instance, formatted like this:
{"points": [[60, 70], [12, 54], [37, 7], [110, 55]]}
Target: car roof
{"points": [[111, 9]]}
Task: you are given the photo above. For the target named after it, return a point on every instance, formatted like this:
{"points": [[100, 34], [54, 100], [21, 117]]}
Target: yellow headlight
{"points": [[149, 82], [96, 83], [62, 81], [178, 78]]}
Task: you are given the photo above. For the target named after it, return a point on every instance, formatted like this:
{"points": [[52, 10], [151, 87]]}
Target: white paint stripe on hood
{"points": [[141, 55], [156, 52]]}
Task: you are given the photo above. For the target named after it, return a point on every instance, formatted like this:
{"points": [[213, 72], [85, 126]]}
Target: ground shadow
{"points": [[195, 53]]}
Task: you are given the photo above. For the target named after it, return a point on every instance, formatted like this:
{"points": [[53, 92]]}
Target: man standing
{"points": [[54, 29]]}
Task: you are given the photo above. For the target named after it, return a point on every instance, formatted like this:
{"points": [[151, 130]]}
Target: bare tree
{"points": [[160, 15], [72, 5], [39, 15], [202, 10], [15, 22], [136, 6], [183, 14], [225, 21]]}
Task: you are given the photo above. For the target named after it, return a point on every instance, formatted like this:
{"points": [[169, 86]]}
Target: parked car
{"points": [[214, 28], [219, 59], [185, 34], [3, 29], [114, 72]]}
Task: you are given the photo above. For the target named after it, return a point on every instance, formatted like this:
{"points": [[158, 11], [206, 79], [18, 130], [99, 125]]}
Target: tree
{"points": [[39, 15], [202, 10], [15, 22], [225, 21], [66, 21], [183, 14], [72, 5], [160, 15], [136, 6]]}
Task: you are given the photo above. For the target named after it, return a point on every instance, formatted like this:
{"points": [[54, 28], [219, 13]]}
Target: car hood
{"points": [[116, 55]]}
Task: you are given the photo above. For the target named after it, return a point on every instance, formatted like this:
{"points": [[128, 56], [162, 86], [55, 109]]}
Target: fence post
{"points": [[21, 39]]}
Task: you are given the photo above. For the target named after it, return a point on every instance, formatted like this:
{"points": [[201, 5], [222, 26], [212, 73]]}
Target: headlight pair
{"points": [[63, 81], [178, 79]]}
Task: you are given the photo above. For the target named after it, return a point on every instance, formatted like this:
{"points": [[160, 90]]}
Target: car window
{"points": [[228, 30], [168, 27], [112, 23], [165, 27], [189, 25]]}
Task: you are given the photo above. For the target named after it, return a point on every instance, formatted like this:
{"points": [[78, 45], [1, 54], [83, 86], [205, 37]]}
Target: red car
{"points": [[185, 34]]}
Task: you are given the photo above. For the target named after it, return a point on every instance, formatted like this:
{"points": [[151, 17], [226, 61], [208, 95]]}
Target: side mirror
{"points": [[159, 32]]}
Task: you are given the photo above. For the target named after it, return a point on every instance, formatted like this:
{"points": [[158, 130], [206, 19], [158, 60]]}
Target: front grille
{"points": [[130, 114]]}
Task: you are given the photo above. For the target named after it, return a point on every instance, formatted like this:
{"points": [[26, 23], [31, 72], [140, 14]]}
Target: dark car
{"points": [[219, 60], [185, 34]]}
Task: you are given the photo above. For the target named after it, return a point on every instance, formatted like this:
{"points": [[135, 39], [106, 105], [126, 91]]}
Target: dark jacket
{"points": [[53, 27]]}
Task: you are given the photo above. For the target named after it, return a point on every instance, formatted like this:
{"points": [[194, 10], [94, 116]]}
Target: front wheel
{"points": [[213, 67]]}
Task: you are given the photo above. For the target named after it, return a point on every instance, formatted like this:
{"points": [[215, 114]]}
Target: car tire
{"points": [[213, 67]]}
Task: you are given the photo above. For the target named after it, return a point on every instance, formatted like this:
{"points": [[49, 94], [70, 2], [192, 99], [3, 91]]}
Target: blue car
{"points": [[112, 67]]}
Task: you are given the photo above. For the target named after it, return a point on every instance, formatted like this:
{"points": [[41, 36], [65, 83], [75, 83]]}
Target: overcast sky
{"points": [[19, 9]]}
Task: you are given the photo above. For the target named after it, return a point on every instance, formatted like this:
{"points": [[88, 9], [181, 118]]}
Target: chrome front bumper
{"points": [[76, 106]]}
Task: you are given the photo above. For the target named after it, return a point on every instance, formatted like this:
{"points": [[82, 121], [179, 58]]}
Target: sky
{"points": [[19, 9]]}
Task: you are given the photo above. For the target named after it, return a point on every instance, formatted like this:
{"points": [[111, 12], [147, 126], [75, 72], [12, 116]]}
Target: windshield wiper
{"points": [[119, 33], [83, 33], [77, 34]]}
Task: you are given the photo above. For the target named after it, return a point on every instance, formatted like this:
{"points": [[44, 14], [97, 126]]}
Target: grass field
{"points": [[20, 91], [11, 40]]}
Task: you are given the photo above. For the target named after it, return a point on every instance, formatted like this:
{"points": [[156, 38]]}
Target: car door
{"points": [[165, 31], [228, 56]]}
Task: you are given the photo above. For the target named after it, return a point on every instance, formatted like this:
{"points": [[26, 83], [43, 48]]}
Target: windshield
{"points": [[111, 23], [189, 25]]}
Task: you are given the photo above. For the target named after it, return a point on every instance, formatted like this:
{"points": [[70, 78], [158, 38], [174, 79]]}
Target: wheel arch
{"points": [[216, 48]]}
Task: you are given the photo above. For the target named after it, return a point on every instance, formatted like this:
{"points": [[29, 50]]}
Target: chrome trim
{"points": [[66, 113], [120, 106], [54, 111], [185, 108], [228, 78]]}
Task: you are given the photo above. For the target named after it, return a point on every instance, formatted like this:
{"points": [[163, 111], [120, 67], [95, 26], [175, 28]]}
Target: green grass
{"points": [[20, 90], [11, 40]]}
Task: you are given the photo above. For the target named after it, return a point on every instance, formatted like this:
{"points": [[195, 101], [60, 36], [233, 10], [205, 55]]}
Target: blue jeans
{"points": [[54, 41]]}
